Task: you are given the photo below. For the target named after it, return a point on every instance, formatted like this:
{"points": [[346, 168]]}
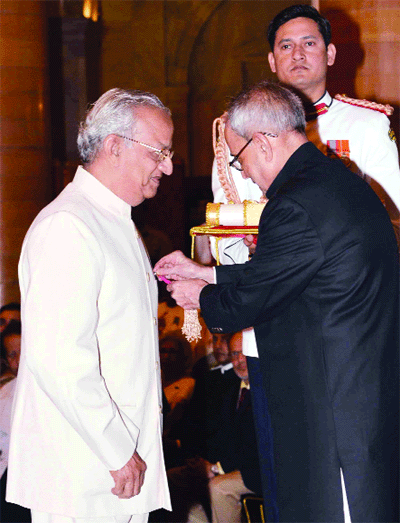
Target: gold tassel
{"points": [[191, 327]]}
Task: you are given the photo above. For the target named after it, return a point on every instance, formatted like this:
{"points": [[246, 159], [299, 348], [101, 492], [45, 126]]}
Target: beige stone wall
{"points": [[133, 45], [193, 54], [377, 76], [25, 182], [147, 45]]}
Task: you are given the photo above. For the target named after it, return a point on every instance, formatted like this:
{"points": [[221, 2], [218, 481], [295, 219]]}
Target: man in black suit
{"points": [[235, 460], [322, 294], [226, 465]]}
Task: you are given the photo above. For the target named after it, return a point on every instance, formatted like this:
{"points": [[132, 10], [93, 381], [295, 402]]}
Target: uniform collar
{"points": [[318, 108], [325, 99], [98, 192]]}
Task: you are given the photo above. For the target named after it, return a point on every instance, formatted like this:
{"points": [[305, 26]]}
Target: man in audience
{"points": [[8, 313], [201, 422], [11, 346], [217, 358], [87, 417], [10, 350], [11, 311], [235, 466], [322, 292], [197, 421], [228, 465]]}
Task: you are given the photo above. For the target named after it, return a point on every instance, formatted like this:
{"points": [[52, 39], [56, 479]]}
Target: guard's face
{"points": [[300, 58], [141, 171]]}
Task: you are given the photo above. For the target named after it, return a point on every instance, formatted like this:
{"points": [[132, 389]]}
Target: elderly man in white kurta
{"points": [[86, 427]]}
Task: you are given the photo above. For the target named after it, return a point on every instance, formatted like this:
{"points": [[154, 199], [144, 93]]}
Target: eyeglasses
{"points": [[163, 154], [235, 161]]}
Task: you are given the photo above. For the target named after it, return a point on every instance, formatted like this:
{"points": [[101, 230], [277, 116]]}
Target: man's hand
{"points": [[209, 469], [176, 266], [201, 467], [250, 241], [202, 250], [186, 293], [129, 479]]}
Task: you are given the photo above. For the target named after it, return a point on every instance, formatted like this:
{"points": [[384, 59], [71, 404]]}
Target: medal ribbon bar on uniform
{"points": [[341, 148]]}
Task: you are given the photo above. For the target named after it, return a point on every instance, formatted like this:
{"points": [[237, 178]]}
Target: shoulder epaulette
{"points": [[385, 109]]}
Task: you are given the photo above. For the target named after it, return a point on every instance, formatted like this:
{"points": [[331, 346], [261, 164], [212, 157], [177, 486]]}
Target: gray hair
{"points": [[266, 107], [113, 113]]}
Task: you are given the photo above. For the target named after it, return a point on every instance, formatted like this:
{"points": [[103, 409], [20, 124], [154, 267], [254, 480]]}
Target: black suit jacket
{"points": [[235, 446], [201, 422], [322, 294]]}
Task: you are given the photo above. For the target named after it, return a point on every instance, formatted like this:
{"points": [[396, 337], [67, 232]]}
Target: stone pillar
{"points": [[25, 174]]}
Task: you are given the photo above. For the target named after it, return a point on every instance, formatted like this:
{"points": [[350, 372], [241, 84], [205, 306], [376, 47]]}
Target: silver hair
{"points": [[113, 113], [266, 107]]}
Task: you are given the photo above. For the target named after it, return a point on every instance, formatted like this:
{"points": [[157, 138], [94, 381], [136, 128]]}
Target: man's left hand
{"points": [[186, 293], [129, 479]]}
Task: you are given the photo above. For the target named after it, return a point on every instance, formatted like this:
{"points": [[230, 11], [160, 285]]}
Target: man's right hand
{"points": [[176, 266], [129, 479]]}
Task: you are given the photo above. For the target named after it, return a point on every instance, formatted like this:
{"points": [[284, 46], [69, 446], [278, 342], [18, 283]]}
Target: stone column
{"points": [[25, 174]]}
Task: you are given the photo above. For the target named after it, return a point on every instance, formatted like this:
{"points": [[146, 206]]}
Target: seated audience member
{"points": [[218, 355], [9, 312], [238, 466], [201, 421], [10, 353], [10, 359], [229, 468]]}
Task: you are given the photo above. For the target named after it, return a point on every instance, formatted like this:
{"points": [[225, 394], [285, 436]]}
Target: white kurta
{"points": [[371, 153], [88, 388]]}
